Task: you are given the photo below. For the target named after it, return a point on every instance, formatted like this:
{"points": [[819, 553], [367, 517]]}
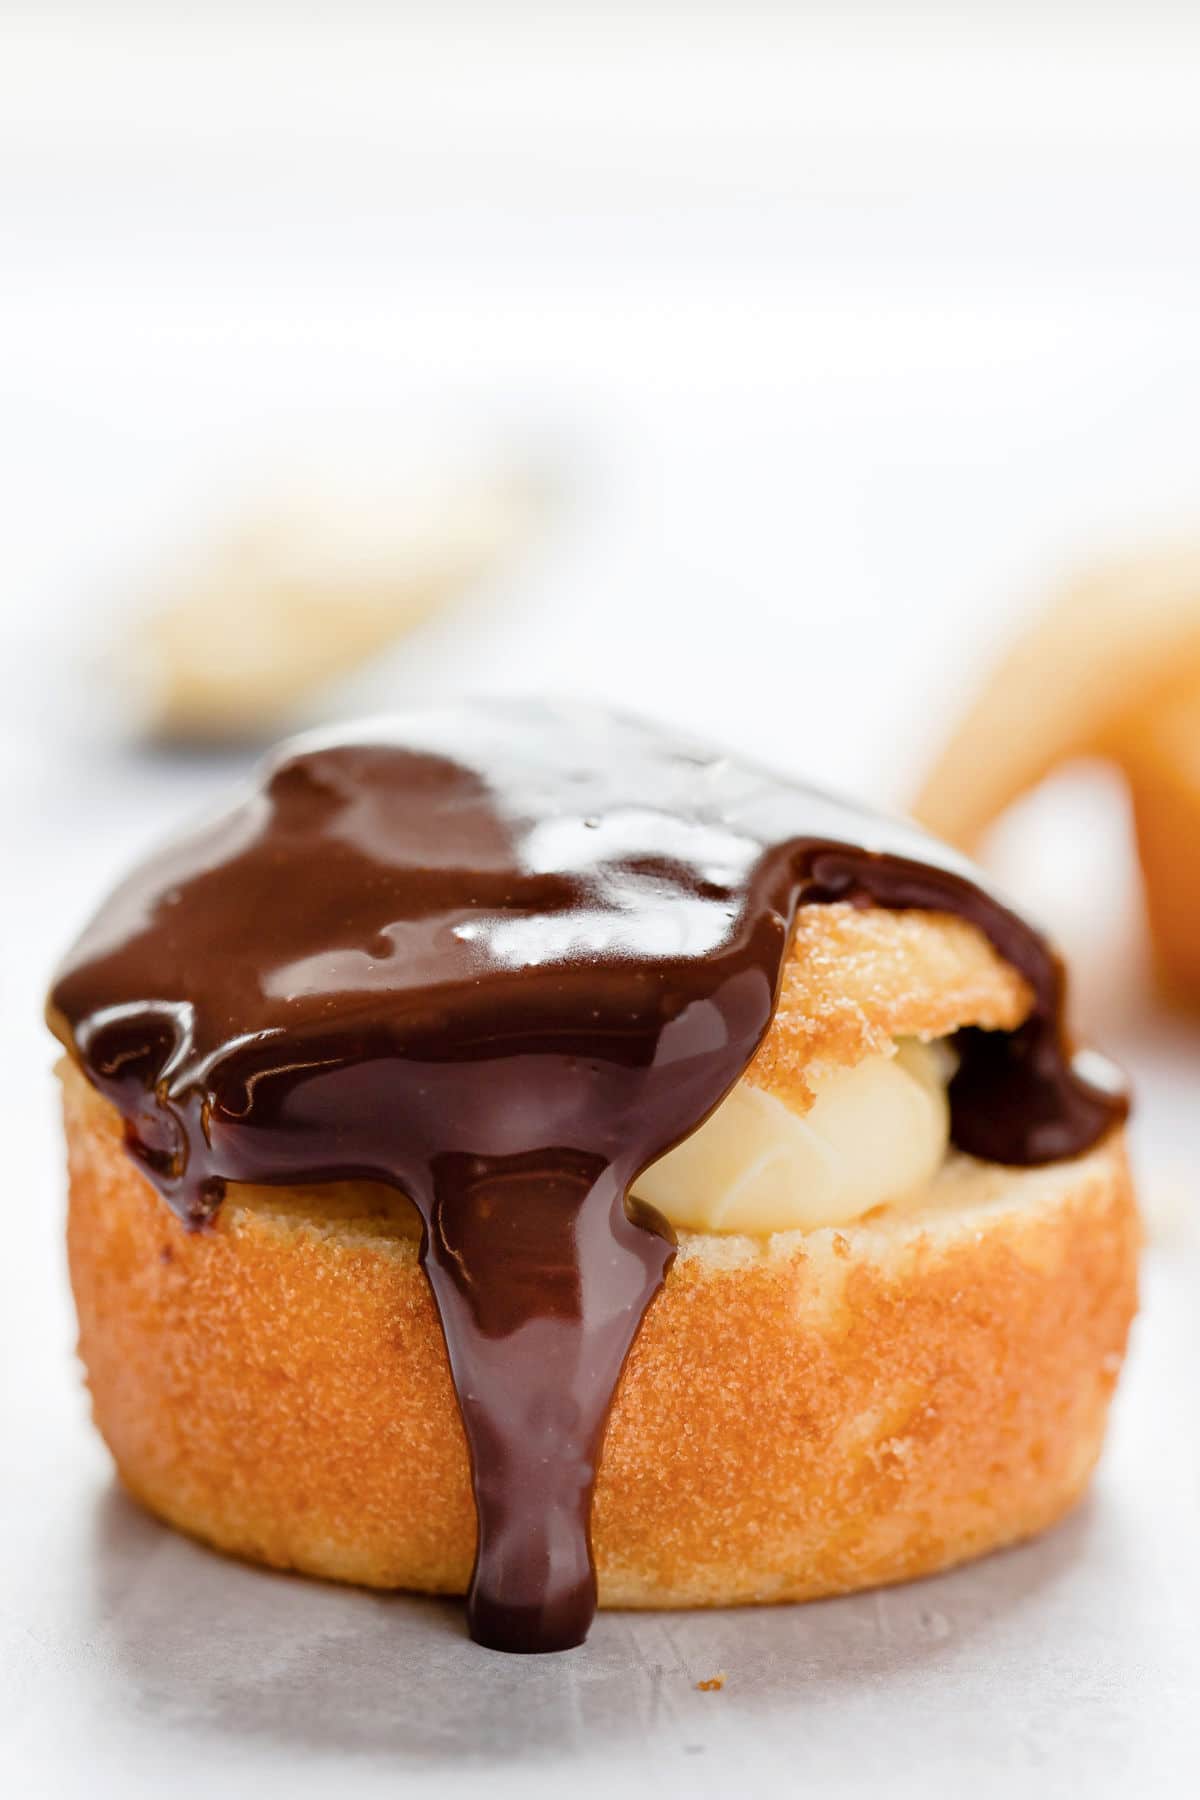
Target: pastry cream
{"points": [[875, 1135]]}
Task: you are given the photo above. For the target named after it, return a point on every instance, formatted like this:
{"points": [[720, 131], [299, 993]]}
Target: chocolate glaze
{"points": [[502, 957]]}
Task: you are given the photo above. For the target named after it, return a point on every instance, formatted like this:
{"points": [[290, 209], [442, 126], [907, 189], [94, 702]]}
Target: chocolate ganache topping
{"points": [[503, 957]]}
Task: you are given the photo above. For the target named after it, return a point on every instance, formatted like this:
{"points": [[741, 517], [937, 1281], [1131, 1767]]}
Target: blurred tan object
{"points": [[1076, 682], [1109, 669], [307, 588], [1160, 754]]}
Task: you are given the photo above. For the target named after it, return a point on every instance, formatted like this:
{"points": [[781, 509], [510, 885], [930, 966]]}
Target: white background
{"points": [[841, 335]]}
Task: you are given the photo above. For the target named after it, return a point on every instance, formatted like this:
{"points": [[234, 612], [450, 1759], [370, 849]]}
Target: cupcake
{"points": [[516, 1153]]}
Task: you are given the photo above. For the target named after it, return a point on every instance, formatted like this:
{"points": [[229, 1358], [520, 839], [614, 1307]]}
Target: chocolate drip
{"points": [[503, 957]]}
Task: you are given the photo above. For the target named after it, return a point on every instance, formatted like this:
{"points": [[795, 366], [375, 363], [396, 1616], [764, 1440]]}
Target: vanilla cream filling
{"points": [[875, 1135]]}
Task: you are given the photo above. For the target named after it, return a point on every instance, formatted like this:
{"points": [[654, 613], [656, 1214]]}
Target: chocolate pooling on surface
{"points": [[502, 957]]}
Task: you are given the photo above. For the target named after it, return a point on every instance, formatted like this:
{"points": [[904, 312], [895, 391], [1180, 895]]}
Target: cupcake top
{"points": [[505, 957]]}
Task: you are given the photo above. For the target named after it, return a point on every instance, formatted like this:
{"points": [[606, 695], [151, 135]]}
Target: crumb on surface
{"points": [[713, 1683]]}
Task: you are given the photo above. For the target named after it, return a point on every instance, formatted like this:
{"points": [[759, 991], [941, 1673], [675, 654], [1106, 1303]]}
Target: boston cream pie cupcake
{"points": [[514, 1152]]}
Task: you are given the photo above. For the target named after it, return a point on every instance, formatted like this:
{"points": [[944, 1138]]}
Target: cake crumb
{"points": [[713, 1684]]}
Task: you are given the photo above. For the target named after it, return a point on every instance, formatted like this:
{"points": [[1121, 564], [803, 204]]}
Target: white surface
{"points": [[845, 338], [1068, 1666]]}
